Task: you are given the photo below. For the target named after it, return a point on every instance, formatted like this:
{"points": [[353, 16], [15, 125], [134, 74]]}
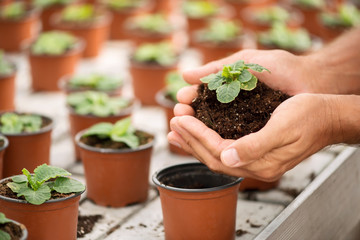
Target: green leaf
{"points": [[208, 78], [239, 65], [4, 235], [250, 85], [121, 127], [31, 179], [100, 129], [16, 187], [129, 139], [256, 67], [67, 185], [215, 82], [45, 172], [19, 179], [226, 72], [42, 194], [228, 92], [3, 219], [245, 76]]}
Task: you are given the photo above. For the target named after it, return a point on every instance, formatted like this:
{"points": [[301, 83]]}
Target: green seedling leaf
{"points": [[36, 197], [121, 127], [31, 179], [239, 65], [245, 76], [249, 85], [12, 123], [219, 31], [208, 78], [19, 179], [13, 11], [3, 219], [129, 139], [67, 185], [174, 82], [226, 72], [161, 53], [45, 172], [53, 43], [228, 92], [78, 13], [152, 23], [4, 235], [102, 130], [16, 187], [256, 67], [216, 82]]}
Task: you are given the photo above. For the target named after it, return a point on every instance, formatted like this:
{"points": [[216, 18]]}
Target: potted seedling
{"points": [[310, 10], [17, 26], [87, 22], [11, 230], [4, 143], [197, 203], [53, 55], [219, 39], [334, 23], [7, 84], [239, 5], [167, 99], [89, 108], [46, 202], [29, 136], [297, 41], [149, 65], [116, 153], [92, 82], [233, 103]]}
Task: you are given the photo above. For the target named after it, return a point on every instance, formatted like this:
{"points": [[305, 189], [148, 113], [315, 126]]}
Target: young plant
{"points": [[220, 31], [5, 67], [53, 43], [271, 15], [232, 79], [96, 103], [121, 131], [78, 13], [311, 4], [95, 81], [124, 4], [347, 15], [47, 3], [159, 53], [199, 9], [13, 11], [285, 38], [4, 220], [152, 23], [12, 123], [174, 82], [37, 187]]}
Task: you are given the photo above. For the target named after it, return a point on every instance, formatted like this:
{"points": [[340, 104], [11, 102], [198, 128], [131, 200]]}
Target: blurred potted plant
{"points": [[17, 26], [87, 22], [167, 99], [116, 153], [148, 67], [89, 108], [310, 10], [197, 203], [10, 229], [239, 5], [47, 199], [29, 132], [5, 2], [4, 143], [7, 84], [53, 55]]}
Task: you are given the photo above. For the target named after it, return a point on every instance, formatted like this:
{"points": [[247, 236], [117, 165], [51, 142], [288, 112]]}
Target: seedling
{"points": [[231, 79], [37, 187], [4, 220], [220, 31], [122, 131], [5, 67], [346, 16], [312, 4], [47, 3], [285, 38], [95, 81], [174, 82], [160, 53], [12, 123], [78, 13], [13, 11], [53, 43], [200, 9], [124, 4], [271, 15], [96, 103], [152, 23]]}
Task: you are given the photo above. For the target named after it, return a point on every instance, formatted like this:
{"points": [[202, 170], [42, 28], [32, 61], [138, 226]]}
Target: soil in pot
{"points": [[14, 230]]}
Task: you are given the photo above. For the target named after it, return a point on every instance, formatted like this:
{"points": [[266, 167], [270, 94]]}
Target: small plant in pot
{"points": [[17, 26], [310, 10], [148, 67], [89, 108], [48, 198], [7, 84], [233, 103], [87, 22], [239, 5], [53, 55], [11, 230], [167, 99], [92, 82], [4, 143], [197, 203], [116, 153]]}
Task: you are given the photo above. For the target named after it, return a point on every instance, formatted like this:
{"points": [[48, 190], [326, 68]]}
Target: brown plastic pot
{"points": [[311, 22], [5, 2], [15, 34], [116, 177], [47, 70], [148, 79], [55, 219], [2, 152], [207, 212], [28, 150], [7, 92], [47, 13], [117, 26], [80, 122], [330, 33], [142, 37], [254, 184], [94, 34]]}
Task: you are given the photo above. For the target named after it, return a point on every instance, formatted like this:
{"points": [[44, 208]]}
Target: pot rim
{"points": [[47, 128], [144, 65], [163, 101], [6, 142], [187, 190], [48, 201], [112, 151], [79, 47], [23, 228]]}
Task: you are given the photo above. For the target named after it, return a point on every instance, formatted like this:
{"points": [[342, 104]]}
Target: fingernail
{"points": [[175, 143], [230, 157]]}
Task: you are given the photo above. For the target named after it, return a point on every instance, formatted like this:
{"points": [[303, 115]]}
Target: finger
{"points": [[187, 94], [175, 139], [183, 109]]}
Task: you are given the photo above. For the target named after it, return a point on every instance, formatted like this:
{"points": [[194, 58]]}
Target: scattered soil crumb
{"points": [[142, 225], [86, 224], [312, 176], [130, 227], [251, 196], [253, 225], [240, 232], [291, 191]]}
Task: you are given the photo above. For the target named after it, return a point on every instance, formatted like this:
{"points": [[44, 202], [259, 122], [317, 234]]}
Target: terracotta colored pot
{"points": [[253, 184], [141, 37], [148, 79], [28, 150], [80, 122], [208, 212], [328, 34], [117, 26], [47, 13], [2, 152], [116, 177], [94, 34], [7, 92], [311, 22], [165, 6], [46, 70], [5, 2], [55, 219], [16, 34]]}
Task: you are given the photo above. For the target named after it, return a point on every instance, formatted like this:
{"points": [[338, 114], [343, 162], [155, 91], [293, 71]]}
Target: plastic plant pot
{"points": [[116, 177], [254, 184], [25, 234], [2, 152], [55, 219], [197, 203], [7, 92], [46, 15]]}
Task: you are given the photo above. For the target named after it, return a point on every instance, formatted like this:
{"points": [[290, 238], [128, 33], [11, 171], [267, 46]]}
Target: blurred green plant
{"points": [[199, 9], [160, 53], [47, 3], [124, 4], [220, 31], [347, 15], [53, 43], [12, 123], [78, 13], [311, 4], [95, 81], [3, 220], [13, 11], [174, 82], [152, 23], [6, 67], [271, 15]]}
